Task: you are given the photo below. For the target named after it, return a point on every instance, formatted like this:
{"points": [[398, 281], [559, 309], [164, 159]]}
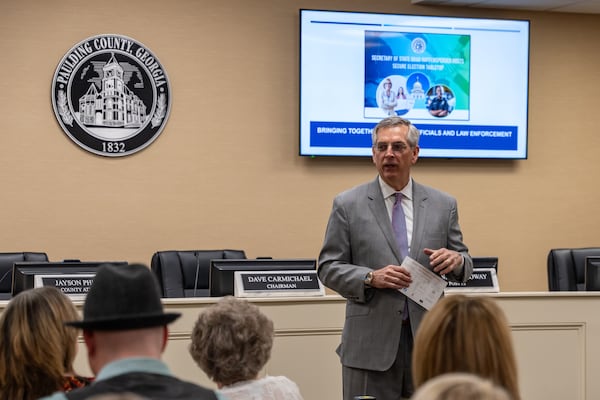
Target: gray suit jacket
{"points": [[359, 238]]}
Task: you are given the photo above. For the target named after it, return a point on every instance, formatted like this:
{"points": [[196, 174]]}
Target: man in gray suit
{"points": [[361, 260]]}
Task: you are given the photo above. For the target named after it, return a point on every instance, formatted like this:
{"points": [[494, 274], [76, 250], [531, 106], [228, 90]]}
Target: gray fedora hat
{"points": [[123, 297]]}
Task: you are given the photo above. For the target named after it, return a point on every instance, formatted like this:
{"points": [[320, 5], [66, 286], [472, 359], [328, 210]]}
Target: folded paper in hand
{"points": [[426, 287]]}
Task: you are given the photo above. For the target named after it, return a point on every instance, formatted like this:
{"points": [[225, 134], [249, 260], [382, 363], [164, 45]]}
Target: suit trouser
{"points": [[393, 384]]}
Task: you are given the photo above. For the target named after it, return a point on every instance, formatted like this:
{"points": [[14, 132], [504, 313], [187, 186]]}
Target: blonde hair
{"points": [[460, 386], [466, 334], [232, 341], [36, 348]]}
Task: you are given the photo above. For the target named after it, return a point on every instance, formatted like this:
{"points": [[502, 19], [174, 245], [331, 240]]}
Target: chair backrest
{"points": [[185, 273], [7, 261], [566, 268], [485, 262]]}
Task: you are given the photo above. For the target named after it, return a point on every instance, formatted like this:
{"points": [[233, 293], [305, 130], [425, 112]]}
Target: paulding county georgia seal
{"points": [[111, 95]]}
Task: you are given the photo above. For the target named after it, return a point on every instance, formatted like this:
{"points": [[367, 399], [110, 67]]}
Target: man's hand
{"points": [[443, 260], [391, 277]]}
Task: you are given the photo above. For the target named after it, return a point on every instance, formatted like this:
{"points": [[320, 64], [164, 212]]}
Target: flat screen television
{"points": [[222, 271], [27, 275], [592, 273], [462, 81]]}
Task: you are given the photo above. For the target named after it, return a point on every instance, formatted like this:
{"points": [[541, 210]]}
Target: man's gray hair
{"points": [[390, 122]]}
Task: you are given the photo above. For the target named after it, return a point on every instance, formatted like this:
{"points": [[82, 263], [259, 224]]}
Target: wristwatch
{"points": [[369, 278]]}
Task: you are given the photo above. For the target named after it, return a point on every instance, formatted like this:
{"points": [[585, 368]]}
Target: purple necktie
{"points": [[399, 227]]}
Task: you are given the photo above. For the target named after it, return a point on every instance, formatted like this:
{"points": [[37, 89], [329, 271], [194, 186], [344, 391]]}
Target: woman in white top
{"points": [[231, 343], [388, 99]]}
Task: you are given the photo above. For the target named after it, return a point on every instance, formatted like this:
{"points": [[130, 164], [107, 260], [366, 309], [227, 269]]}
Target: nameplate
{"points": [[277, 283], [75, 286], [481, 280]]}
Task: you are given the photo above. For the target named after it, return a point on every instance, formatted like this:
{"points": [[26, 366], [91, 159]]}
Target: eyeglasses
{"points": [[397, 147]]}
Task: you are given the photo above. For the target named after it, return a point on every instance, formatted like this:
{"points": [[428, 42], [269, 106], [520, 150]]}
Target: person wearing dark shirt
{"points": [[125, 333], [438, 106]]}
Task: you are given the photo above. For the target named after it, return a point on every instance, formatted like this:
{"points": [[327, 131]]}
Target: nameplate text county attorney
{"points": [[73, 285]]}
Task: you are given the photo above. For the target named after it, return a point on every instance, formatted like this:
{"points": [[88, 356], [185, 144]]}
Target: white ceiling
{"points": [[571, 6]]}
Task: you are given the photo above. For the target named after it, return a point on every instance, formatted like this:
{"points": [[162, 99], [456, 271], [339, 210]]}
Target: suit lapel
{"points": [[419, 218], [381, 216]]}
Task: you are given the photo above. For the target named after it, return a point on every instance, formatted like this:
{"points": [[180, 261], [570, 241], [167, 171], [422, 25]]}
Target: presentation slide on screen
{"points": [[401, 80], [462, 81]]}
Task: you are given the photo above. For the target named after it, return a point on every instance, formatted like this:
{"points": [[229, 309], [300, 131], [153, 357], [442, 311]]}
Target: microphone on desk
{"points": [[197, 272]]}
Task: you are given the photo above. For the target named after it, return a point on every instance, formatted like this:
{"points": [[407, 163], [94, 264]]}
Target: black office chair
{"points": [[185, 273], [485, 262], [566, 268], [7, 261]]}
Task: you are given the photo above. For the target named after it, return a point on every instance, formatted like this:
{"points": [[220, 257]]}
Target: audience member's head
{"points": [[466, 334], [460, 386], [117, 396], [125, 332], [36, 348], [231, 341], [123, 316]]}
